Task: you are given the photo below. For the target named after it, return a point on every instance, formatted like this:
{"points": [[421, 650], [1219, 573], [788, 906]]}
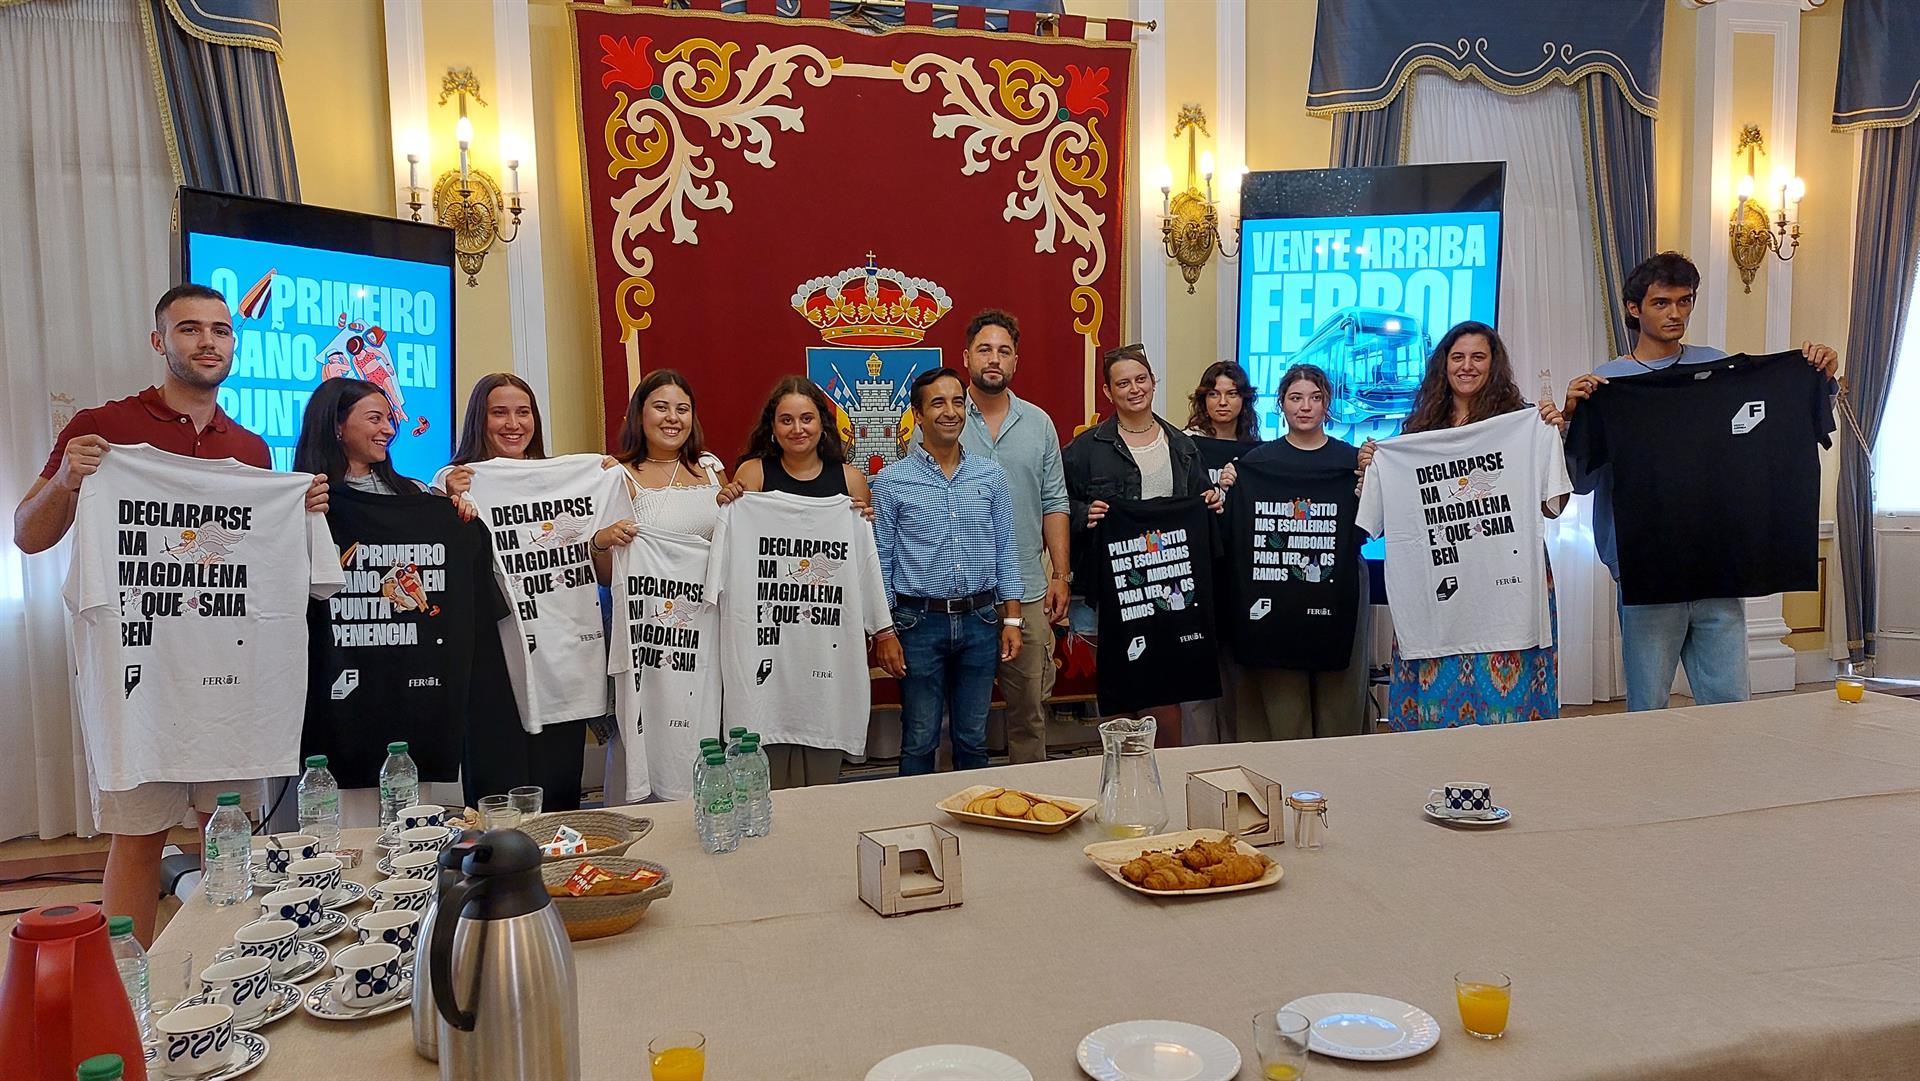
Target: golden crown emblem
{"points": [[871, 306]]}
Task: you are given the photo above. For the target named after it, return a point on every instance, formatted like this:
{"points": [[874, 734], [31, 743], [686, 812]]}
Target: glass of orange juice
{"points": [[678, 1056], [1281, 1037], [1483, 998], [1851, 689]]}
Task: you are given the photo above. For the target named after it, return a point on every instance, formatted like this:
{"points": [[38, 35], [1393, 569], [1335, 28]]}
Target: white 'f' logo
{"points": [[1748, 417], [1136, 647]]}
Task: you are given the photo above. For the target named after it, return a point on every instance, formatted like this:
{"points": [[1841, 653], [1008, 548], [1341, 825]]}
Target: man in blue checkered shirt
{"points": [[943, 521]]}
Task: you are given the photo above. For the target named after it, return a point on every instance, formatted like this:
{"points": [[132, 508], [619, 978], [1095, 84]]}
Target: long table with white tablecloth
{"points": [[1713, 892]]}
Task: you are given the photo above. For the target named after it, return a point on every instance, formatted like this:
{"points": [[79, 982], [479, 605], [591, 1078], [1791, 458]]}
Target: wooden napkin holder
{"points": [[909, 869], [1239, 801]]}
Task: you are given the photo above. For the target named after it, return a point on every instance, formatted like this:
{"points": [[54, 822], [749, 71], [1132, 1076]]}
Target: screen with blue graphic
{"points": [[319, 293], [1359, 272]]}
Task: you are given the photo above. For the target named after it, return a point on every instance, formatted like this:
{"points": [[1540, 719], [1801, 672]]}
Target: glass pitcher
{"points": [[1132, 803]]}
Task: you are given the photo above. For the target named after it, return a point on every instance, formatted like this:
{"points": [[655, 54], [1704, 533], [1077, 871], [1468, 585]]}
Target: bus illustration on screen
{"points": [[1374, 358]]}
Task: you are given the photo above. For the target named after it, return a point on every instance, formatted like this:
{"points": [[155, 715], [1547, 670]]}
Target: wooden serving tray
{"points": [[956, 805], [1109, 855]]}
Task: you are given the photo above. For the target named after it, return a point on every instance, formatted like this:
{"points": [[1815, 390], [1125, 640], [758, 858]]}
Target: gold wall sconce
{"points": [[1190, 220], [1752, 234], [468, 200]]}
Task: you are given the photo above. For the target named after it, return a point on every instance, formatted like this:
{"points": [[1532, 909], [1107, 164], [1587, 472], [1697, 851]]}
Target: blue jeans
{"points": [[951, 662], [1709, 637]]}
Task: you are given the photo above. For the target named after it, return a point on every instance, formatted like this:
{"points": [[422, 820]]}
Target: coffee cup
{"points": [[395, 927], [369, 975], [285, 848], [1463, 799], [415, 864], [411, 894], [320, 872], [300, 904], [244, 983], [421, 814], [196, 1040], [426, 838], [276, 940]]}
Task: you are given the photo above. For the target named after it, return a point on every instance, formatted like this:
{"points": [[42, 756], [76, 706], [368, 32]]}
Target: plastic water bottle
{"points": [[101, 1068], [226, 859], [759, 799], [734, 736], [131, 960], [399, 783], [740, 770], [714, 806], [319, 802]]}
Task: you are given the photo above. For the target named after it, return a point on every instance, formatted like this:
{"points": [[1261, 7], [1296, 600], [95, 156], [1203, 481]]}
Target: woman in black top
{"points": [[1290, 703], [796, 448], [1134, 454]]}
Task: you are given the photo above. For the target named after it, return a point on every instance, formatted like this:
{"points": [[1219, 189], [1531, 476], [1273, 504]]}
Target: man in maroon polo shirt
{"points": [[194, 334]]}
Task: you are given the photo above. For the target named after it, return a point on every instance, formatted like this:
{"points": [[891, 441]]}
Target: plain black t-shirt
{"points": [[1152, 560], [1216, 453], [1716, 475], [392, 655], [1293, 555]]}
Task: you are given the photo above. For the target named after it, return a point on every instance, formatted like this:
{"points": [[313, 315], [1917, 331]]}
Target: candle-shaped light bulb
{"points": [[463, 134], [1745, 188], [513, 173], [413, 170], [1796, 191], [1206, 164]]}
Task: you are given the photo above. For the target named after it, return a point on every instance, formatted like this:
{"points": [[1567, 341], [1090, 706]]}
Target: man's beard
{"points": [[980, 382], [185, 371]]}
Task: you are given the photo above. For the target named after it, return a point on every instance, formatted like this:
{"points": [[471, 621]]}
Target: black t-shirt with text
{"points": [[1716, 475], [1293, 555], [392, 655], [1153, 564]]}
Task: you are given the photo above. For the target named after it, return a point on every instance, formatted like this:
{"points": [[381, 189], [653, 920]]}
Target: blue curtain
{"points": [[1620, 176], [1886, 250], [221, 96], [1364, 139]]}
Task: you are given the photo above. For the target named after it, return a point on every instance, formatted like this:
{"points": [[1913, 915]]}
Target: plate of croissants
{"points": [[1187, 864]]}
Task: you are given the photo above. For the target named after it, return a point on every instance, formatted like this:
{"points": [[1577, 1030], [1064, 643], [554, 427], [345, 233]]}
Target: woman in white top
{"points": [[674, 484]]}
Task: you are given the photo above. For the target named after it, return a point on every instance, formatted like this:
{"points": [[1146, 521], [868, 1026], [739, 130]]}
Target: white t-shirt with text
{"points": [[543, 514], [664, 659], [1466, 553], [188, 588], [798, 583]]}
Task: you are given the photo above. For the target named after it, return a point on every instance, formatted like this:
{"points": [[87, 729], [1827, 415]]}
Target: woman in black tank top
{"points": [[796, 448]]}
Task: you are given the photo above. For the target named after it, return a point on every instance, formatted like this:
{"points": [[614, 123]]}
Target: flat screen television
{"points": [[1360, 272], [318, 292]]}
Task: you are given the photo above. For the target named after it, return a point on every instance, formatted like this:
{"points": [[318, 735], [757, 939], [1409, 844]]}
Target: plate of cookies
{"points": [[1014, 809], [1189, 863]]}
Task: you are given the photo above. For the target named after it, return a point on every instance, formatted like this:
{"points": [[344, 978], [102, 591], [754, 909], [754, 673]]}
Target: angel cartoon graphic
{"points": [[815, 570], [560, 532], [401, 585], [675, 614], [1475, 484], [207, 544]]}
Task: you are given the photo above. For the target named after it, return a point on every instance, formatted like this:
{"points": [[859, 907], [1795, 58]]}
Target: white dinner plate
{"points": [[1366, 1028], [1158, 1051], [1496, 817], [949, 1062]]}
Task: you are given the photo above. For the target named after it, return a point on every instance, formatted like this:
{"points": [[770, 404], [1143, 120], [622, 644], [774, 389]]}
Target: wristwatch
{"points": [[1018, 622]]}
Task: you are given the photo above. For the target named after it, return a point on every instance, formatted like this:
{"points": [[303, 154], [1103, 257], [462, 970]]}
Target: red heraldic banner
{"points": [[769, 196]]}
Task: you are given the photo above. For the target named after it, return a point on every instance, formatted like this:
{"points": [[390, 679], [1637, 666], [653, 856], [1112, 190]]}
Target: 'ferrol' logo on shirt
{"points": [[1460, 503], [1748, 417], [131, 680]]}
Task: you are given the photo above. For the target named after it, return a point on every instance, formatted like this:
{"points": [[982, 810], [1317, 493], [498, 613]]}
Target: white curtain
{"points": [[1550, 311], [86, 192]]}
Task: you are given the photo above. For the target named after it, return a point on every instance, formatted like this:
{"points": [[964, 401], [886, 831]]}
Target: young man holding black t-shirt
{"points": [[1709, 636]]}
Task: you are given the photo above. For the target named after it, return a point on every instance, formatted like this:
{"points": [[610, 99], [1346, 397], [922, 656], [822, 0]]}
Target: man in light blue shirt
{"points": [[943, 522], [1708, 636], [1021, 438]]}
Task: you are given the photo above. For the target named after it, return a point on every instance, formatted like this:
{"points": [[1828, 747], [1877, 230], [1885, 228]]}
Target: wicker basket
{"points": [[599, 917], [608, 833]]}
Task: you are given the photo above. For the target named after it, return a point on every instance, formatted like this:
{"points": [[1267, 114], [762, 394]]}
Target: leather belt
{"points": [[954, 606]]}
